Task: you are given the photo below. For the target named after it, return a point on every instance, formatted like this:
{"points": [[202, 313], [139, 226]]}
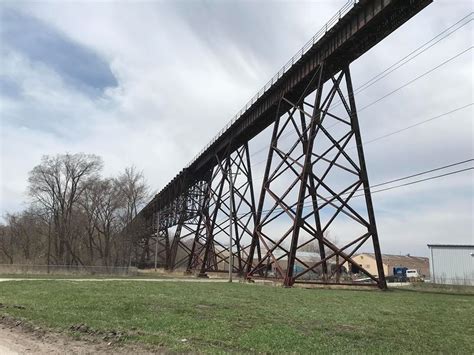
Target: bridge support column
{"points": [[311, 186], [198, 229], [161, 246], [231, 185], [188, 224], [240, 181]]}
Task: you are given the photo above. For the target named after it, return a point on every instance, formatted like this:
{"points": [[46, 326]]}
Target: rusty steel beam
{"points": [[365, 24], [319, 171], [306, 169], [222, 194]]}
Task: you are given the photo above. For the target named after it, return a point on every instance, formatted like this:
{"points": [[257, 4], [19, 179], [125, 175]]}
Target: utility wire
{"points": [[399, 130], [383, 74], [424, 172], [415, 79], [396, 66], [414, 125], [400, 62], [391, 92], [309, 203], [278, 210], [421, 180]]}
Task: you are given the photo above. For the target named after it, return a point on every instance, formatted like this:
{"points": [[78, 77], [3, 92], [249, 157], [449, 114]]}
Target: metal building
{"points": [[452, 264]]}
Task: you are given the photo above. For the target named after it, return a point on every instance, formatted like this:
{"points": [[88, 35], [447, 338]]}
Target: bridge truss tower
{"points": [[323, 173], [314, 210]]}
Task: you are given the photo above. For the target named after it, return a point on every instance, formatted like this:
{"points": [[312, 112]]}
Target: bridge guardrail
{"points": [[342, 11]]}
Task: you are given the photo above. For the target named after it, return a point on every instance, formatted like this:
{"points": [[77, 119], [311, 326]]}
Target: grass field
{"points": [[221, 317]]}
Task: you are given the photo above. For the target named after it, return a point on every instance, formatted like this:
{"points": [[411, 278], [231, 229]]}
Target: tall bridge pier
{"points": [[315, 181]]}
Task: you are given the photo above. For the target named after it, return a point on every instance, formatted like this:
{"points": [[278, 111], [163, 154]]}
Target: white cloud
{"points": [[181, 76]]}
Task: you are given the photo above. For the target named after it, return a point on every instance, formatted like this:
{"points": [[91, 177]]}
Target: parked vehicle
{"points": [[400, 274], [412, 273], [404, 274]]}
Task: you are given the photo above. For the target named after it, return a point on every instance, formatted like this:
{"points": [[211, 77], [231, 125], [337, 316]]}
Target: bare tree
{"points": [[56, 185], [89, 202], [6, 242], [17, 233], [109, 203], [75, 216], [135, 192], [313, 246], [23, 238]]}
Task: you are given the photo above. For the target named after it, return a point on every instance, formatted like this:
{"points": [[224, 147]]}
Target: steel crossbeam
{"points": [[315, 188]]}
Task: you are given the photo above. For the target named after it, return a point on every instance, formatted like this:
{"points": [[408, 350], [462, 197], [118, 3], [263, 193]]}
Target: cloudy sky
{"points": [[149, 83]]}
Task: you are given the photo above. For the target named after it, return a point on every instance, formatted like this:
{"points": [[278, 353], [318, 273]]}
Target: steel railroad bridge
{"points": [[310, 184]]}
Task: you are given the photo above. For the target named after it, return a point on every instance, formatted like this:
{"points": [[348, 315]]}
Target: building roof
{"points": [[450, 246], [391, 259]]}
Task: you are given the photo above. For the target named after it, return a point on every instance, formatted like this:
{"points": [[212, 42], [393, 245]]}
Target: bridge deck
{"points": [[359, 26]]}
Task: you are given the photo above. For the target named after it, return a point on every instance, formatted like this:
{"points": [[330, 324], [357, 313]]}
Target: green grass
{"points": [[221, 317]]}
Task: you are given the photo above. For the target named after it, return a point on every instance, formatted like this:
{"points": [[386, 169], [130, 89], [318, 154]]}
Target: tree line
{"points": [[74, 215]]}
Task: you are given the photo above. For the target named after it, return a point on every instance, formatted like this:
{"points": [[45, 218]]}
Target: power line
{"points": [[392, 92], [409, 177], [421, 180], [279, 209], [394, 65], [414, 125], [392, 68], [399, 130], [400, 62], [309, 203], [424, 172], [415, 79]]}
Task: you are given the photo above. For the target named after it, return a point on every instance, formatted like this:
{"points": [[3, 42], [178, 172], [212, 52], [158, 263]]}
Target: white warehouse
{"points": [[452, 264]]}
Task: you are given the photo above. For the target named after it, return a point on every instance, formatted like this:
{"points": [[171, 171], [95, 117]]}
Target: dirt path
{"points": [[14, 340]]}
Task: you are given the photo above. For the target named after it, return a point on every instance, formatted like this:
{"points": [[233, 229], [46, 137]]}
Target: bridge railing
{"points": [[342, 11]]}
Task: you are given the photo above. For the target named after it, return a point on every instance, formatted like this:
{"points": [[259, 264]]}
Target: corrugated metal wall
{"points": [[452, 264]]}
